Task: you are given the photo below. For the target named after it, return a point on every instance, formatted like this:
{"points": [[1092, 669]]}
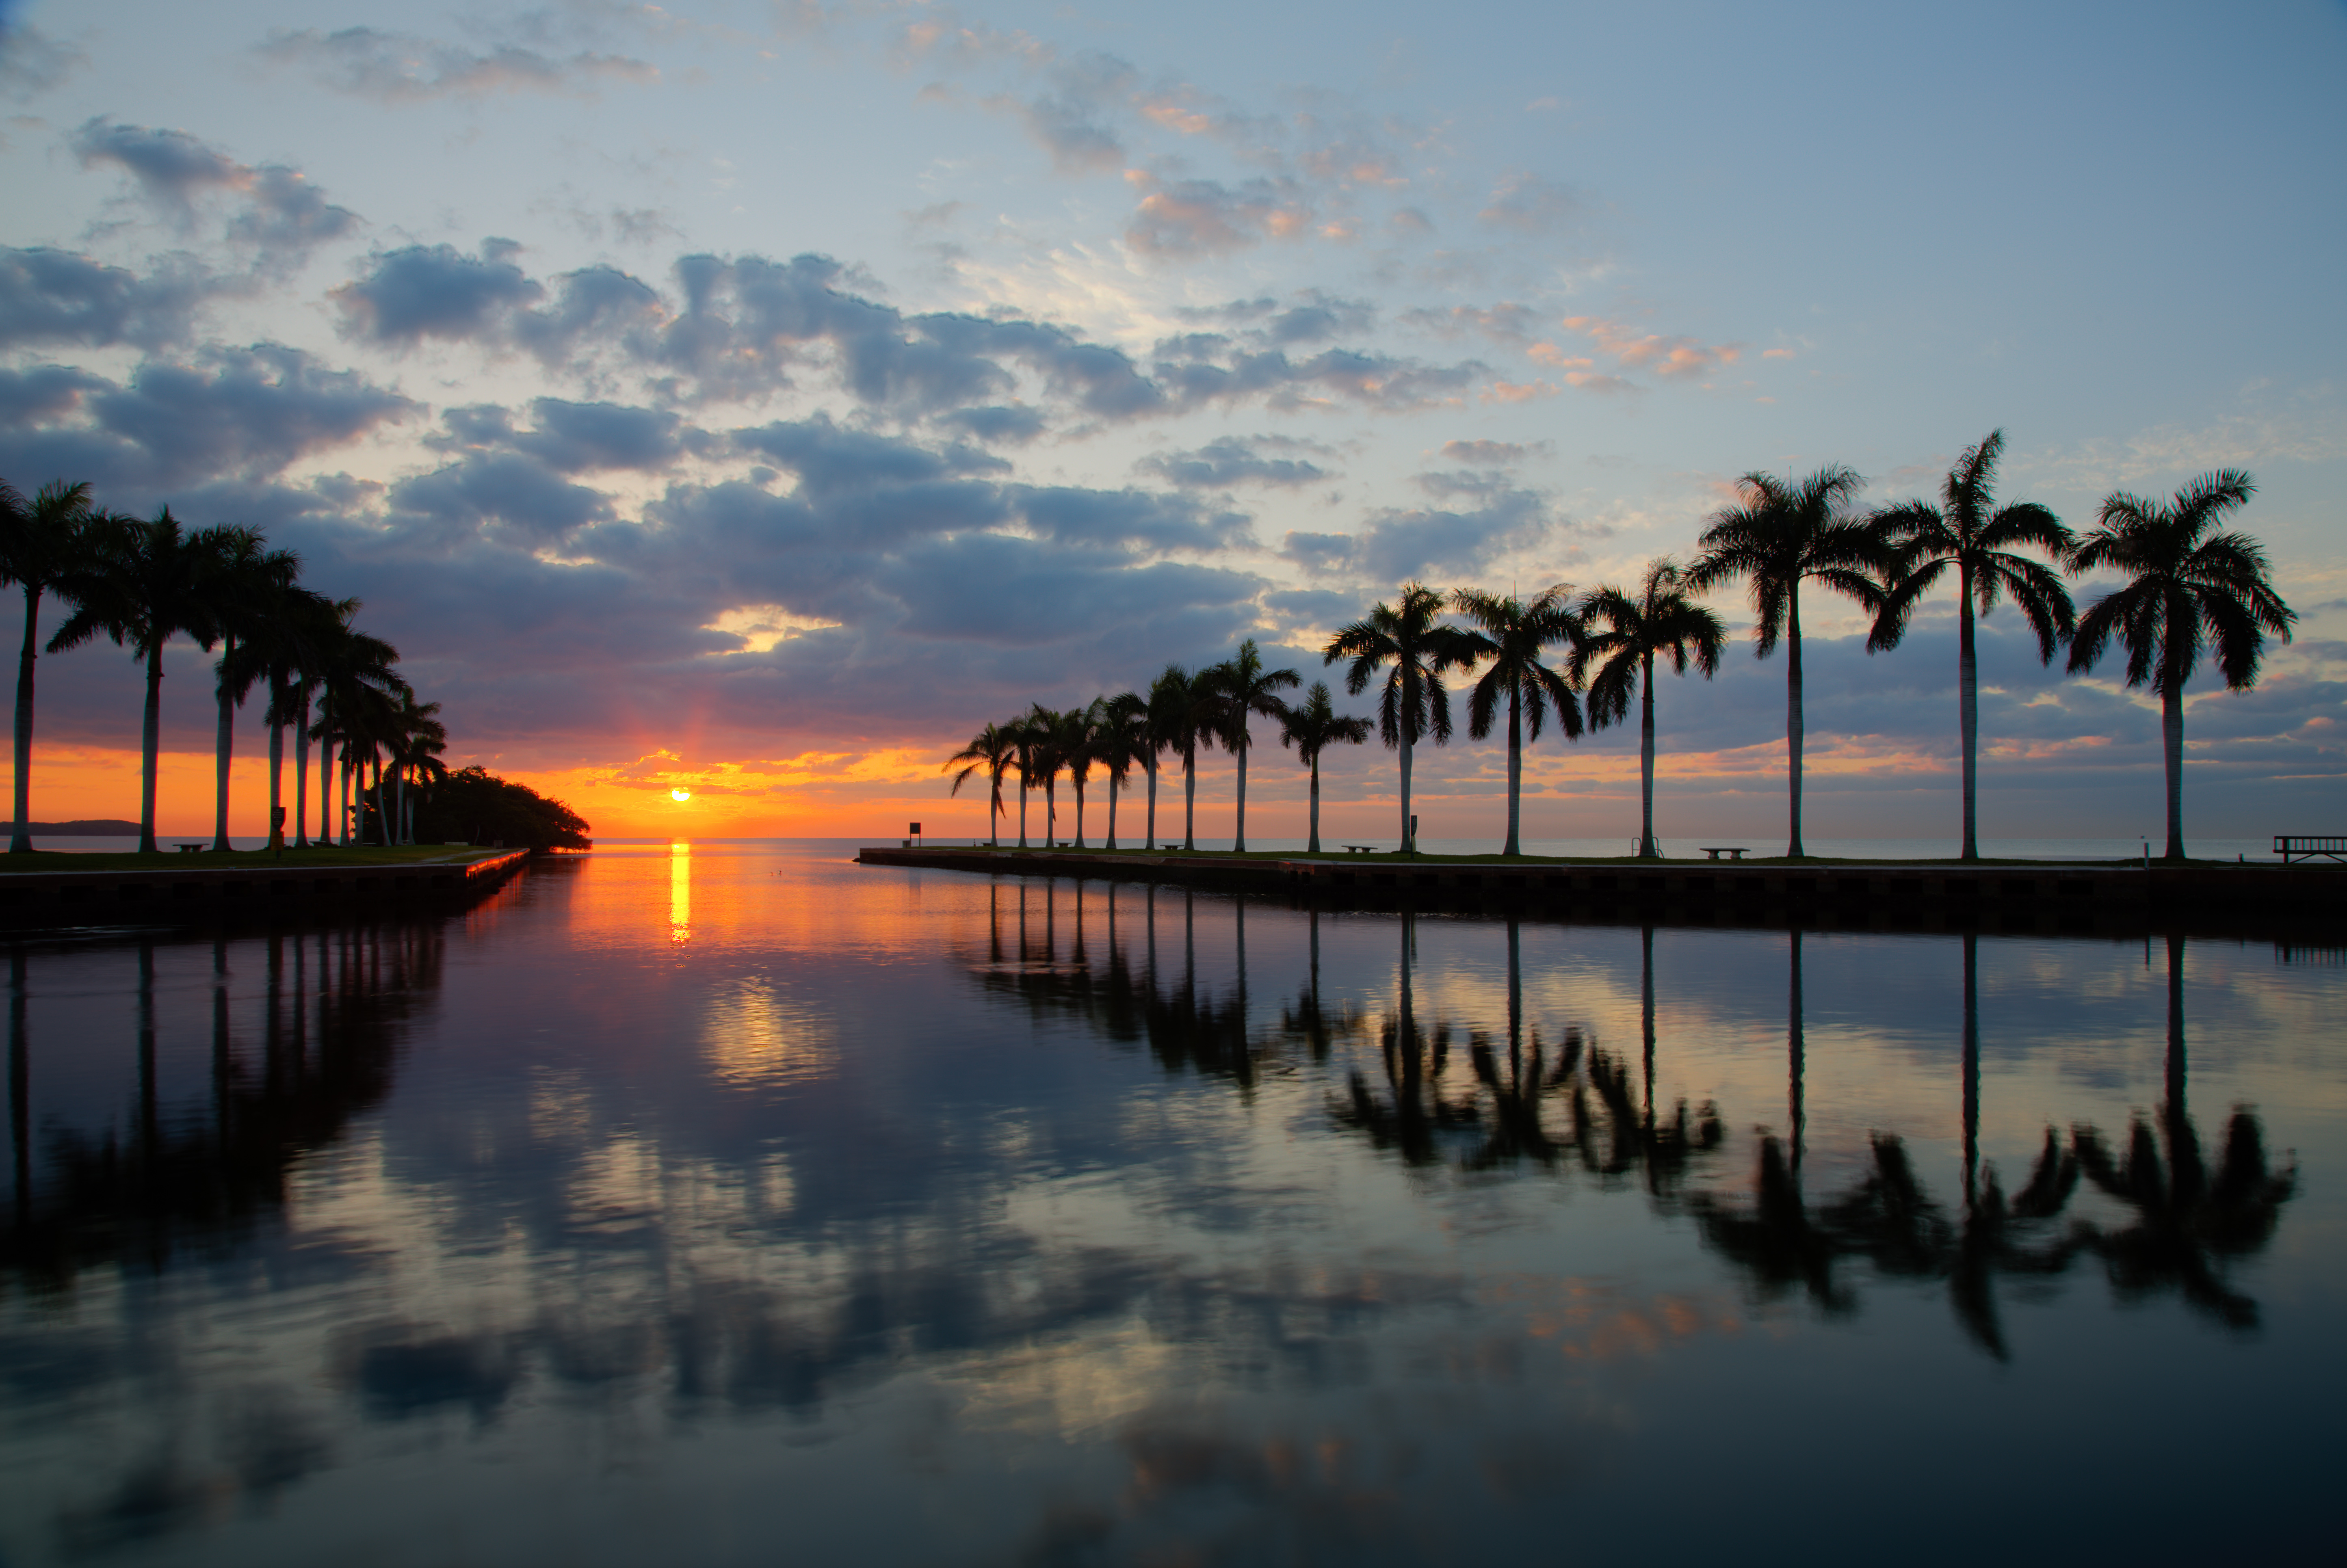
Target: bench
{"points": [[1733, 851], [2293, 846], [1360, 849], [190, 848]]}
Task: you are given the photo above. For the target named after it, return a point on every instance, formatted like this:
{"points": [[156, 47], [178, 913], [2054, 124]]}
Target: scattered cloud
{"points": [[1527, 204], [400, 69], [1670, 357], [1232, 461]]}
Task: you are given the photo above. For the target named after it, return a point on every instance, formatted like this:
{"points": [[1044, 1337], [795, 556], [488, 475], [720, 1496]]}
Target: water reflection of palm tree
{"points": [[2186, 1224]]}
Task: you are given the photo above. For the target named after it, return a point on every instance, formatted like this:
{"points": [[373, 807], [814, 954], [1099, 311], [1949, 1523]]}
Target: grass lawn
{"points": [[168, 859]]}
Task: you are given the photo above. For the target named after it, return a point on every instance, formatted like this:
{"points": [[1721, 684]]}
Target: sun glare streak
{"points": [[680, 892]]}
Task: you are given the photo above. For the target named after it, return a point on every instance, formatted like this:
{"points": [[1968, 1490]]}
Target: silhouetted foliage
{"points": [[473, 806]]}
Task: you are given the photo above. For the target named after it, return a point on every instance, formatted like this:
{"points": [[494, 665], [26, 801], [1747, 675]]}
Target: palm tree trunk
{"points": [[1515, 774], [1315, 847], [399, 797], [1111, 825], [1968, 710], [1080, 813], [1190, 796], [1647, 848], [2171, 737], [325, 787], [1051, 812], [1152, 824], [382, 822], [1238, 845], [276, 767], [1408, 843], [20, 838], [1793, 710], [223, 747], [150, 739], [350, 766], [1022, 809]]}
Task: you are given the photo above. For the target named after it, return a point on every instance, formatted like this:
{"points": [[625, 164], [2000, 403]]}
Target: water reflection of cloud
{"points": [[756, 1036]]}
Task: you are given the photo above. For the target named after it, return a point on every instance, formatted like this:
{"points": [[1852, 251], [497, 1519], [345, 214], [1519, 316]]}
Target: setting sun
{"points": [[680, 795]]}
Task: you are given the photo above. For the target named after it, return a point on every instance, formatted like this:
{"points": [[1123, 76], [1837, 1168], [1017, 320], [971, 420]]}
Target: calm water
{"points": [[735, 1203]]}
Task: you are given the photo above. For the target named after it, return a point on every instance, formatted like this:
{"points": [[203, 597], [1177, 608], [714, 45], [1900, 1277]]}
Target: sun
{"points": [[680, 795]]}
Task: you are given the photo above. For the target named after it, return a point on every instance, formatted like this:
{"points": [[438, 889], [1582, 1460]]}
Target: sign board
{"points": [[915, 830]]}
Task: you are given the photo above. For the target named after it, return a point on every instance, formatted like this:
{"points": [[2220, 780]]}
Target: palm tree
{"points": [[1410, 636], [147, 583], [1783, 533], [2188, 589], [321, 626], [43, 546], [1246, 688], [357, 684], [247, 583], [417, 740], [1968, 532], [995, 749], [1123, 741], [1075, 736], [1166, 723], [1311, 728], [1662, 620], [1511, 635], [1194, 712], [280, 643]]}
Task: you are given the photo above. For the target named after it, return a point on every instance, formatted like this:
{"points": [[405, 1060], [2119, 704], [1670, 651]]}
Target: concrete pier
{"points": [[170, 894]]}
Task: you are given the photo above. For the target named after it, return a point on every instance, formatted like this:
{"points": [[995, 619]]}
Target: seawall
{"points": [[170, 895]]}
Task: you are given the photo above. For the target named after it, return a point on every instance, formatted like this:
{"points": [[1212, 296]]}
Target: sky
{"points": [[753, 400]]}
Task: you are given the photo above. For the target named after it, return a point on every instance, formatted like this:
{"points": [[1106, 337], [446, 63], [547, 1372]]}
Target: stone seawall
{"points": [[171, 893], [2050, 897]]}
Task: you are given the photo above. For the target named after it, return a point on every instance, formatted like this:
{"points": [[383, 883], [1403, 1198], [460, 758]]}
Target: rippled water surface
{"points": [[732, 1202]]}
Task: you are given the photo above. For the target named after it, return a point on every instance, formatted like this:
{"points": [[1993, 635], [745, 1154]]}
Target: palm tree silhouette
{"points": [[1312, 727], [1662, 620], [1122, 741], [1247, 689], [1197, 715], [1410, 636], [2186, 1226], [1782, 534], [150, 581], [1512, 634], [1075, 737], [417, 738], [1968, 533], [246, 586], [1166, 719], [278, 644], [993, 751], [45, 547], [2187, 590]]}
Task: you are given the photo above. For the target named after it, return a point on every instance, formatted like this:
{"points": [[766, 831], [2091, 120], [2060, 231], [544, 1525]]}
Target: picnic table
{"points": [[1733, 851], [188, 848], [1360, 849]]}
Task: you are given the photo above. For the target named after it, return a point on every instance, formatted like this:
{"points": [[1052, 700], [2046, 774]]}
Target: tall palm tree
{"points": [[150, 582], [1410, 636], [2188, 591], [1785, 532], [280, 643], [357, 681], [1513, 635], [1621, 637], [994, 751], [1968, 533], [1123, 741], [1167, 721], [1194, 714], [417, 740], [1311, 727], [246, 586], [323, 626], [43, 545], [1075, 740], [1246, 688]]}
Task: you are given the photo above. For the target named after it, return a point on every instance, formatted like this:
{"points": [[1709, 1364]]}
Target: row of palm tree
{"points": [[140, 582], [2189, 590]]}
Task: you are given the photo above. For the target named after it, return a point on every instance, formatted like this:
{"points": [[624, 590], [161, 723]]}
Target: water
{"points": [[730, 1203]]}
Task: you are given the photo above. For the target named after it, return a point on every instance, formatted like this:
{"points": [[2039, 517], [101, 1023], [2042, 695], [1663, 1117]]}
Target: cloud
{"points": [[1188, 218], [1505, 323], [400, 69], [280, 215], [1399, 545], [1007, 426], [1220, 465], [49, 296], [1494, 454], [422, 291], [241, 415], [1650, 352], [31, 62], [1527, 204]]}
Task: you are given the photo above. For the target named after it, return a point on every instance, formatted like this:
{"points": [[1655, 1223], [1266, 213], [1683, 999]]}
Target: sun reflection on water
{"points": [[680, 892]]}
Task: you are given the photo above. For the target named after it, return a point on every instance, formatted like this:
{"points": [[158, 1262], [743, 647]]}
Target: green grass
{"points": [[1387, 858], [169, 859]]}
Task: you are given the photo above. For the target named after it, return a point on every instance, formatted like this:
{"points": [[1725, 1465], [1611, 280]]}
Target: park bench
{"points": [[1733, 851], [190, 849], [2293, 846]]}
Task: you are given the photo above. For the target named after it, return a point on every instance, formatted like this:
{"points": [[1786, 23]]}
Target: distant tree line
{"points": [[140, 582], [2190, 590]]}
